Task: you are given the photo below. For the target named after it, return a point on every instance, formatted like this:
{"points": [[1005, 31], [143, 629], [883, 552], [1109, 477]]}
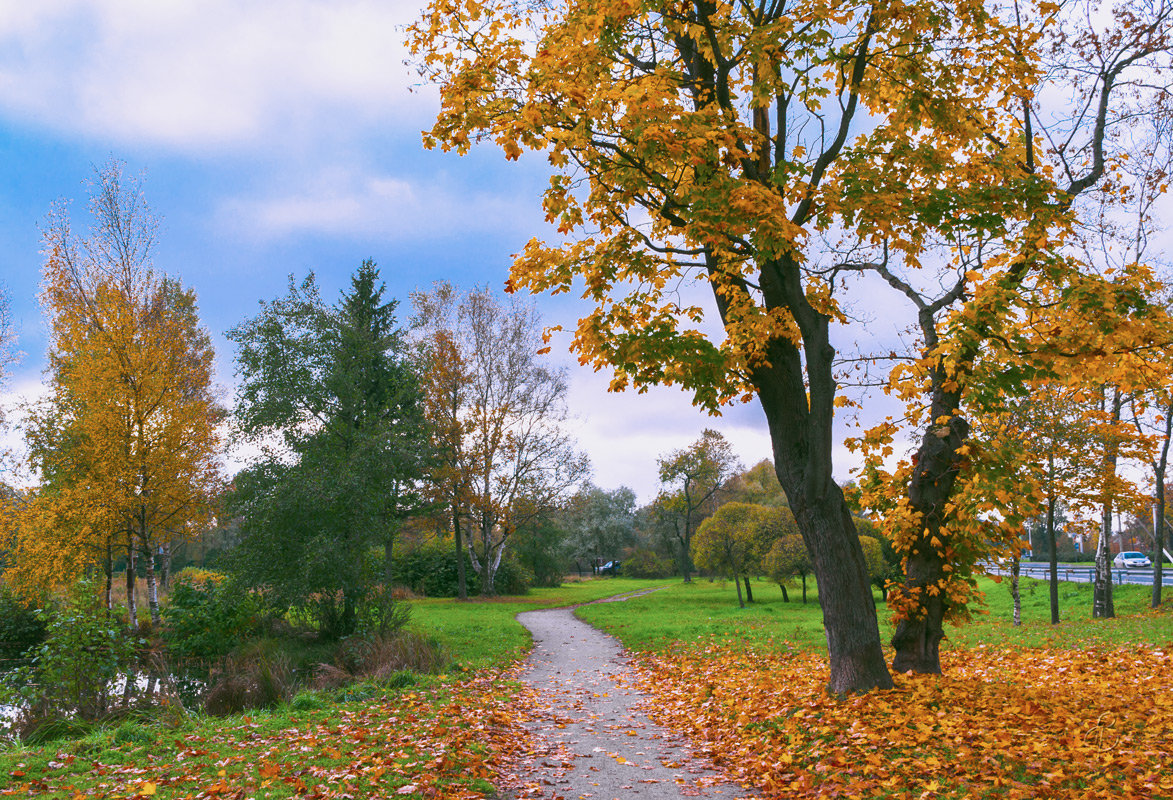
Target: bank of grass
{"points": [[380, 742], [365, 740]]}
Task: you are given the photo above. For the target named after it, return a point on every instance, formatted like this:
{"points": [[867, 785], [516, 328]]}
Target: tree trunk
{"points": [[165, 564], [461, 576], [797, 393], [131, 568], [152, 587], [108, 569], [1053, 556], [845, 595], [918, 637], [1015, 595], [388, 564], [1102, 606], [748, 591], [486, 558], [804, 588], [685, 540], [785, 594], [1159, 540], [737, 583], [349, 613]]}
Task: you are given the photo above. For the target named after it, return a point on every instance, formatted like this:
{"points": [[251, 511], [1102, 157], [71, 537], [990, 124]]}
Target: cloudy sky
{"points": [[276, 138]]}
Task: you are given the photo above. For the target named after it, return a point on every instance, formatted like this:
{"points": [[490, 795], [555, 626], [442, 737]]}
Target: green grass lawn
{"points": [[708, 609], [483, 632]]}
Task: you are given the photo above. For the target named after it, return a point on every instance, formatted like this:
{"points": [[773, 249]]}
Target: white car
{"points": [[1131, 559]]}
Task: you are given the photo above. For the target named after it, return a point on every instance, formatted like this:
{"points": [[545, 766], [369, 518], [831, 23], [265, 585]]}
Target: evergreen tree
{"points": [[334, 386]]}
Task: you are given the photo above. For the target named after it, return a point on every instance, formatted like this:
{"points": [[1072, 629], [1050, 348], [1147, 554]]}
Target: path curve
{"points": [[595, 741]]}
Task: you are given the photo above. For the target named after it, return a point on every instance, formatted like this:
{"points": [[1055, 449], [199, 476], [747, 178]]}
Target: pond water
{"points": [[188, 688]]}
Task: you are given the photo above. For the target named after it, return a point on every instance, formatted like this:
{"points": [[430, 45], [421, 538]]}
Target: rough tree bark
{"points": [[1102, 605], [1054, 559], [799, 407], [918, 639]]}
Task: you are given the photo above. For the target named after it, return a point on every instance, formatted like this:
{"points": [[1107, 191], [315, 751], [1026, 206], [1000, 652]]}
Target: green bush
{"points": [[21, 628], [430, 571], [205, 619], [512, 578], [646, 564], [74, 670], [52, 729]]}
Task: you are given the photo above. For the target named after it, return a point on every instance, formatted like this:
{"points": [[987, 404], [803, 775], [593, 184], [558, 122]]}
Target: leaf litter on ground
{"points": [[1000, 722]]}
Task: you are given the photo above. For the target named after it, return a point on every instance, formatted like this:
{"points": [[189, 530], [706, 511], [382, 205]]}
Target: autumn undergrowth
{"points": [[432, 738], [407, 735]]}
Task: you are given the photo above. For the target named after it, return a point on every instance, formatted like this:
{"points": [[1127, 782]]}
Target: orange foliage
{"points": [[1004, 723], [127, 442]]}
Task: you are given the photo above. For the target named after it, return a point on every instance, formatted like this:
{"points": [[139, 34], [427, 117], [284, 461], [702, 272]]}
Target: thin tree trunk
{"points": [[804, 588], [486, 561], [737, 583], [785, 594], [152, 587], [461, 575], [1159, 539], [165, 564], [108, 569], [748, 590], [388, 564], [1102, 605], [1053, 556], [131, 569], [1015, 595]]}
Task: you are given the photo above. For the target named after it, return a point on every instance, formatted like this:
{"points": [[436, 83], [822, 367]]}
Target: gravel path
{"points": [[594, 741]]}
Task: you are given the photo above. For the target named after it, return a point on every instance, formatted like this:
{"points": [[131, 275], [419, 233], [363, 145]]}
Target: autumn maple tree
{"points": [[127, 442], [716, 143]]}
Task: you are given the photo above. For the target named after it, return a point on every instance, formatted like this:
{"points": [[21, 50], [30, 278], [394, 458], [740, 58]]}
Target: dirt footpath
{"points": [[594, 742]]}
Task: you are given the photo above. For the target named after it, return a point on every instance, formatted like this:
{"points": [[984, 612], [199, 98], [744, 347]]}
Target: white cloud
{"points": [[24, 389], [350, 202], [200, 74]]}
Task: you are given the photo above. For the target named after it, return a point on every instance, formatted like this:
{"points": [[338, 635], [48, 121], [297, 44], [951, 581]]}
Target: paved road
{"points": [[596, 742]]}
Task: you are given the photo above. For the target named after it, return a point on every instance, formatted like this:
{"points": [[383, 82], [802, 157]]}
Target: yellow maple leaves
{"points": [[1005, 723]]}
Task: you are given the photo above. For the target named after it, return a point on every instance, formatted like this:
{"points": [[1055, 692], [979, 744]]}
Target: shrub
{"points": [[430, 571], [512, 578], [380, 658], [51, 729], [259, 676], [72, 672], [21, 627], [206, 617], [646, 564]]}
